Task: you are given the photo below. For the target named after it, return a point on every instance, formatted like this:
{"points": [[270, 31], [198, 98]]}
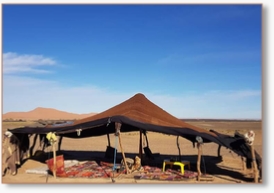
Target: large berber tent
{"points": [[140, 114]]}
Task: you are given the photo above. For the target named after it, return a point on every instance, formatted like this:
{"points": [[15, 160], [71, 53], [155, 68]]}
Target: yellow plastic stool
{"points": [[181, 164], [186, 163]]}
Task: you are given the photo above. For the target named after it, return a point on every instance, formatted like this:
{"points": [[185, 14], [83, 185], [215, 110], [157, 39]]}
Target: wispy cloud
{"points": [[24, 93], [212, 104], [14, 63], [21, 93]]}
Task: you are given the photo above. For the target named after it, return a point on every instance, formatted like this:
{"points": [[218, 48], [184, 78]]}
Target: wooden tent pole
{"points": [[54, 159], [178, 146], [118, 127], [141, 145], [199, 161]]}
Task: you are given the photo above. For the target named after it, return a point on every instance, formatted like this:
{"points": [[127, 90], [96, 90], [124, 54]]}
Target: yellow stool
{"points": [[186, 163], [181, 164]]}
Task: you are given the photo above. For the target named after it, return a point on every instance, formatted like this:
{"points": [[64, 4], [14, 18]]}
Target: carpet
{"points": [[91, 169], [154, 173]]}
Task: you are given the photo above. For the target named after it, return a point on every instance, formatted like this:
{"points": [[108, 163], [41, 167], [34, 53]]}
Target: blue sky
{"points": [[194, 61]]}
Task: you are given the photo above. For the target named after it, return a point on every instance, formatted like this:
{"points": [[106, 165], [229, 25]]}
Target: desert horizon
{"points": [[45, 113], [219, 165], [222, 166]]}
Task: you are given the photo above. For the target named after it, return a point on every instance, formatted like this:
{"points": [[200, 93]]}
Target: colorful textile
{"points": [[60, 166], [91, 169], [154, 173]]}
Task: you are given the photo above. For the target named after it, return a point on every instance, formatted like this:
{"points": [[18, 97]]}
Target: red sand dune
{"points": [[45, 114]]}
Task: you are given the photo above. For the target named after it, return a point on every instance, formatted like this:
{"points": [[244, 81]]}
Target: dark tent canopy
{"points": [[138, 113]]}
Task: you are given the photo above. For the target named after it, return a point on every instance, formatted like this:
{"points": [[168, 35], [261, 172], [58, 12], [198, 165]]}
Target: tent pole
{"points": [[219, 151], [108, 140], [118, 127], [140, 146], [178, 145], [54, 159], [33, 145], [146, 139], [123, 154], [199, 161], [60, 143]]}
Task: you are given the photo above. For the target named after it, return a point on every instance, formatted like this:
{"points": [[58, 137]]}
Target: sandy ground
{"points": [[229, 170]]}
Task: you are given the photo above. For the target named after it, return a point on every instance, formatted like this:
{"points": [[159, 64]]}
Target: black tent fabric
{"points": [[138, 113]]}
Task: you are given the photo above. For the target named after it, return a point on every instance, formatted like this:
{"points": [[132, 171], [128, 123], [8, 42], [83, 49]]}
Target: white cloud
{"points": [[14, 63], [238, 104], [22, 93], [25, 93]]}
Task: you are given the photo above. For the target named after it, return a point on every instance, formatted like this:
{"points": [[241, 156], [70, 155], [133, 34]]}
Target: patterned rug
{"points": [[91, 169], [154, 173]]}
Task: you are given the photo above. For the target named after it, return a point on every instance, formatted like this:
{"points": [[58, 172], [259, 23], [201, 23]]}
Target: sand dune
{"points": [[45, 114]]}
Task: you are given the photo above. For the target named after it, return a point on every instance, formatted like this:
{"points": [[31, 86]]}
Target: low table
{"points": [[181, 163]]}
